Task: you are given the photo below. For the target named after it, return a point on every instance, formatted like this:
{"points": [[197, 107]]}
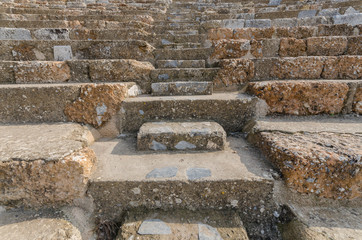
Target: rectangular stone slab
{"points": [[181, 136], [181, 88]]}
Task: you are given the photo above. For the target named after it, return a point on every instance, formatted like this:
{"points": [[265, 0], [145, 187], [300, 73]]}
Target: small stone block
{"points": [[307, 13], [14, 34], [206, 232], [181, 136], [154, 227], [63, 53]]}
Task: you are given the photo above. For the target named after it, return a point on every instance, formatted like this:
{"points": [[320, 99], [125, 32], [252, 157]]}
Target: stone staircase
{"points": [[155, 119]]}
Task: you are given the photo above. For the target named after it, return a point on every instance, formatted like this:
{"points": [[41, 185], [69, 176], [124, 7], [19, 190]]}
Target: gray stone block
{"points": [[63, 53], [197, 173], [154, 226], [182, 136], [329, 12], [166, 172], [351, 19], [307, 13], [206, 232], [181, 88], [51, 34], [15, 34], [258, 23], [274, 2]]}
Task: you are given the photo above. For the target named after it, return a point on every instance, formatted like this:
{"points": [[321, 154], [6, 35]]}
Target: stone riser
{"points": [[286, 47], [181, 88], [44, 50], [48, 103], [183, 74], [230, 110], [182, 54], [180, 64]]}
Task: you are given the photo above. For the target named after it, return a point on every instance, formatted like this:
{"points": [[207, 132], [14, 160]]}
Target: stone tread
{"points": [[181, 88]]}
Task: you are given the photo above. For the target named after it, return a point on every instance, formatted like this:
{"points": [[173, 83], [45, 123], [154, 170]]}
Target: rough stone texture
{"points": [[230, 49], [300, 32], [42, 228], [233, 73], [297, 68], [182, 224], [36, 103], [292, 47], [357, 101], [230, 110], [182, 136], [220, 33], [253, 33], [53, 170], [181, 88], [335, 30], [302, 97], [326, 46], [41, 72], [351, 19], [121, 71], [96, 104], [63, 53], [343, 67], [325, 164], [14, 34], [354, 46], [51, 34]]}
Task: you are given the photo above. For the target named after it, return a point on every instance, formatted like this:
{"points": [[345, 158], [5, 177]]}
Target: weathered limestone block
{"points": [[43, 165], [220, 33], [335, 30], [41, 228], [326, 164], [354, 46], [41, 72], [295, 32], [357, 101], [230, 49], [301, 97], [234, 73], [297, 68], [120, 70], [253, 33], [343, 67], [96, 104], [144, 18], [326, 46], [292, 47]]}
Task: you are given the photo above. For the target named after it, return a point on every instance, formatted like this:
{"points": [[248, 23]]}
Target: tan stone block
{"points": [[256, 48], [41, 72], [291, 47], [220, 33], [350, 67], [298, 68], [96, 104], [234, 73], [357, 101], [331, 68], [224, 49], [325, 164], [295, 32], [354, 46], [335, 30], [119, 70], [301, 97], [326, 46], [253, 33], [39, 182]]}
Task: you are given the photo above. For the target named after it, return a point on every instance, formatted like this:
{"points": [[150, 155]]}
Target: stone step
{"points": [[301, 32], [172, 39], [36, 103], [169, 45], [21, 72], [181, 136], [183, 74], [74, 34], [51, 171], [127, 179], [43, 50], [180, 64], [326, 159], [310, 97], [183, 54], [230, 110], [181, 88], [286, 47], [181, 224], [182, 32]]}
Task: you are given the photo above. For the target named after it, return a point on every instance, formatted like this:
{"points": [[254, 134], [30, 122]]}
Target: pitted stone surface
{"points": [[206, 232], [154, 227], [181, 136], [166, 172], [181, 88], [197, 173], [14, 34], [42, 228], [63, 53]]}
